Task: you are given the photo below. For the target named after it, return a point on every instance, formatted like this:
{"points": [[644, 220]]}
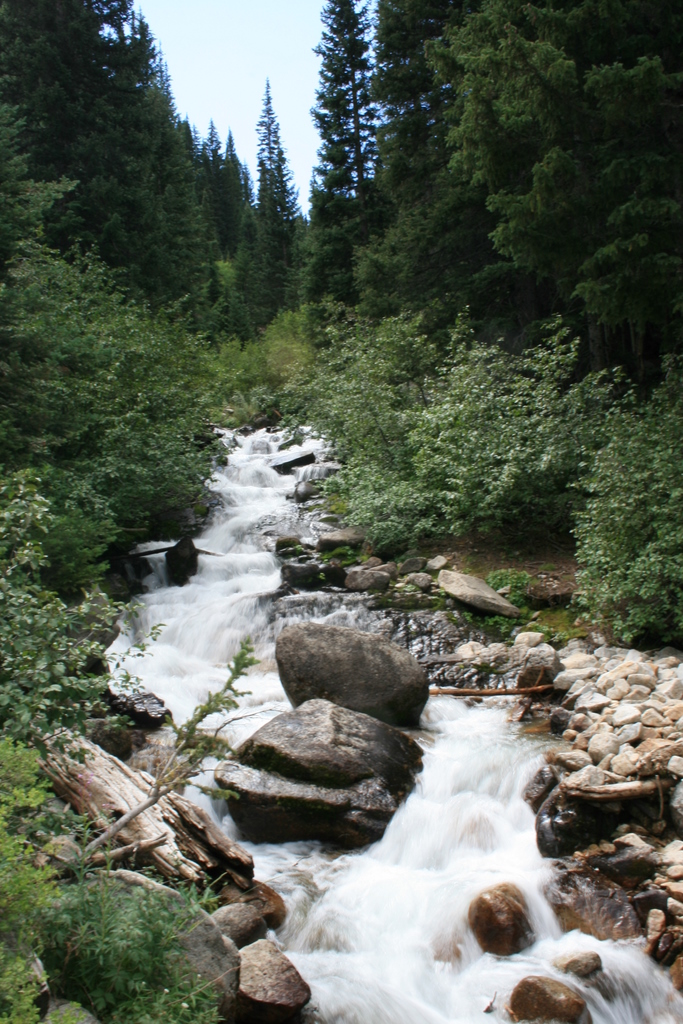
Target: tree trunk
{"points": [[102, 787]]}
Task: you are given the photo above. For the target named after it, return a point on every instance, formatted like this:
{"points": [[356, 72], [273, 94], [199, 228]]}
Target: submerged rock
{"points": [[543, 999], [581, 965], [320, 772], [305, 491], [271, 989], [499, 919], [182, 561], [589, 903], [286, 463], [356, 670], [474, 592]]}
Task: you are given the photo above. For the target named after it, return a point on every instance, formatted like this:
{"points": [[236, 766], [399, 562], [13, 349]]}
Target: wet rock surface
{"points": [[271, 989], [356, 670], [145, 709], [564, 826], [499, 919], [583, 900], [241, 922], [320, 772], [544, 999], [182, 561]]}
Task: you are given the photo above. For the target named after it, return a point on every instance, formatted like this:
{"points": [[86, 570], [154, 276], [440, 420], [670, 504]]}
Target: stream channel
{"points": [[380, 934]]}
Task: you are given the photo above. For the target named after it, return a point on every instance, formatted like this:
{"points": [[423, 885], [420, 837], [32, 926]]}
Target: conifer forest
{"points": [[437, 399]]}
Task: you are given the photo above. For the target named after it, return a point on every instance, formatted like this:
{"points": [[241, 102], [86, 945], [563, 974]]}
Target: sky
{"points": [[219, 54]]}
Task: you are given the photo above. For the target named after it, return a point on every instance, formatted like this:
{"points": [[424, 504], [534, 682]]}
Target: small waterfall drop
{"points": [[380, 934]]}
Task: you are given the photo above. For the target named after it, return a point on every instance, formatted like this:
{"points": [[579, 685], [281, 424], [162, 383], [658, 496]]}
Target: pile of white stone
{"points": [[627, 719]]}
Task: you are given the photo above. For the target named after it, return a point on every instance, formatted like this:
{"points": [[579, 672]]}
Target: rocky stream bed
{"points": [[442, 827]]}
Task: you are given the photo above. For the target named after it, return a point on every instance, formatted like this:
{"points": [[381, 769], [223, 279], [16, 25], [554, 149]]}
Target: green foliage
{"points": [[115, 950], [516, 579], [486, 440], [25, 890], [342, 194], [630, 536], [104, 400], [45, 646], [563, 115]]}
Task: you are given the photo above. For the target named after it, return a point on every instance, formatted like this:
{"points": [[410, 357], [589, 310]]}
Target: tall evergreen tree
{"points": [[277, 211], [97, 109], [342, 196], [436, 236]]}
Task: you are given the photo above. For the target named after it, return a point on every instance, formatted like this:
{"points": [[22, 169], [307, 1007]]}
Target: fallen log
{"points": [[99, 859], [454, 691], [618, 790], [101, 787]]}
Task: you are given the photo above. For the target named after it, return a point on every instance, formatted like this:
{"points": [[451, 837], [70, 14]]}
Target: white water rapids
{"points": [[380, 934]]}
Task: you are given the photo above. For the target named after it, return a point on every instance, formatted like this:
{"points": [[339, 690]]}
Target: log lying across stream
{"points": [[174, 835], [455, 691]]}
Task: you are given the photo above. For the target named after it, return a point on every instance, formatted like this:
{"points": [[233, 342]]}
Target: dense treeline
{"points": [[483, 164]]}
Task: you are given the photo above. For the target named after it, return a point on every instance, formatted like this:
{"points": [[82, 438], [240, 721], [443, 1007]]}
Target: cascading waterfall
{"points": [[381, 934]]}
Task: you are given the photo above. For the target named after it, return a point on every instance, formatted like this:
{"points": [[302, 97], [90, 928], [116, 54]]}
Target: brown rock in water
{"points": [[241, 922], [582, 965], [499, 919], [676, 973], [271, 989], [364, 580], [268, 903], [542, 999], [359, 671], [182, 561], [580, 900]]}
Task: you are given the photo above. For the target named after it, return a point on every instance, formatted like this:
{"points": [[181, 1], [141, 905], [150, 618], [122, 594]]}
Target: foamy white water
{"points": [[380, 934]]}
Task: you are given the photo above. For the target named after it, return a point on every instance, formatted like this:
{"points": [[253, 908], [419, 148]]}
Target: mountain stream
{"points": [[380, 934]]}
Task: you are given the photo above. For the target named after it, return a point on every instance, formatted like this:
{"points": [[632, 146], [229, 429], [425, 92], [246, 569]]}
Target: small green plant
{"points": [[516, 579], [45, 646], [114, 949], [25, 890]]}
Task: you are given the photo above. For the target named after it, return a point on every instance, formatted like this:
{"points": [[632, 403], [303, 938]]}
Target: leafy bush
{"points": [[630, 536], [516, 579], [102, 399], [45, 646], [25, 890], [484, 440], [115, 951]]}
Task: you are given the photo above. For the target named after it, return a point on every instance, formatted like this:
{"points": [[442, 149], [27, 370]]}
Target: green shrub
{"points": [[25, 890], [630, 536], [45, 646], [479, 440], [516, 579], [114, 950], [104, 401]]}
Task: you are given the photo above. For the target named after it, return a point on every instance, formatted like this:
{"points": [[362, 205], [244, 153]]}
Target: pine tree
{"points": [[342, 195], [436, 237], [96, 104], [277, 211]]}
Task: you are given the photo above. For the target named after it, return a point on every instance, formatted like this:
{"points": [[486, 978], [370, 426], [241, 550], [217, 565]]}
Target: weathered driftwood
{"points": [[102, 787], [454, 691], [617, 790]]}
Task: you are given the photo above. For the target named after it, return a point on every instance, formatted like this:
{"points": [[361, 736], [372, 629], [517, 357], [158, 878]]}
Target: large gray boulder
{"points": [[349, 537], [359, 671], [476, 593], [320, 772], [271, 989]]}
